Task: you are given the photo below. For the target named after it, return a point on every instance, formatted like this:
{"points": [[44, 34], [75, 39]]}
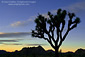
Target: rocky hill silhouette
{"points": [[80, 52], [30, 50], [2, 51], [37, 51], [33, 50]]}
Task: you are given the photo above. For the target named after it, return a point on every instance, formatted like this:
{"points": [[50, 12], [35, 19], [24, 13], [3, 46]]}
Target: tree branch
{"points": [[51, 44], [60, 35], [60, 43], [65, 35], [57, 40], [50, 37], [63, 25], [53, 34], [73, 26]]}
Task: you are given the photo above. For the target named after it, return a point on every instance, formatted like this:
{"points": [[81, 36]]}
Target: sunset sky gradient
{"points": [[17, 21]]}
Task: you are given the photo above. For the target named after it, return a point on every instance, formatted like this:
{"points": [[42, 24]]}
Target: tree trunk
{"points": [[56, 52]]}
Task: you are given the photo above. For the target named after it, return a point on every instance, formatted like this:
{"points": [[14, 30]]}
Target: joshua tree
{"points": [[51, 28]]}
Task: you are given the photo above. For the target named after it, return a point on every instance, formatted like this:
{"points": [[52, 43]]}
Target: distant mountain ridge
{"points": [[40, 51], [80, 51], [2, 51], [33, 50], [30, 50]]}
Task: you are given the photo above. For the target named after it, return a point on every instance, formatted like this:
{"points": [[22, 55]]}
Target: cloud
{"points": [[45, 15], [13, 41], [34, 44], [8, 41], [12, 44], [21, 23], [77, 7], [23, 44], [16, 34]]}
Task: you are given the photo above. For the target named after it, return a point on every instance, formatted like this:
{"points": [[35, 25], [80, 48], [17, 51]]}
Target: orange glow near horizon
{"points": [[14, 47], [67, 50], [10, 48]]}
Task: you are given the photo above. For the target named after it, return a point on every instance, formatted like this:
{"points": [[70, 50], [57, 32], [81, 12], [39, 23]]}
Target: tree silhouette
{"points": [[53, 28]]}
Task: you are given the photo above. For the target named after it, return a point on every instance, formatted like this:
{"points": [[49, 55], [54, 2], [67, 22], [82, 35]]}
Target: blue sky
{"points": [[16, 21]]}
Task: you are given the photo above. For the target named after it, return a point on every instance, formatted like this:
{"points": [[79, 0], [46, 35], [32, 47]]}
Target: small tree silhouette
{"points": [[48, 28]]}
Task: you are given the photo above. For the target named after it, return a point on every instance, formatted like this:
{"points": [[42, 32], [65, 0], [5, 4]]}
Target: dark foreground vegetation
{"points": [[40, 52]]}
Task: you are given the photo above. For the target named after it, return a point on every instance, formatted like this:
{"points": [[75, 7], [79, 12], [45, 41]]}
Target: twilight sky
{"points": [[17, 21]]}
